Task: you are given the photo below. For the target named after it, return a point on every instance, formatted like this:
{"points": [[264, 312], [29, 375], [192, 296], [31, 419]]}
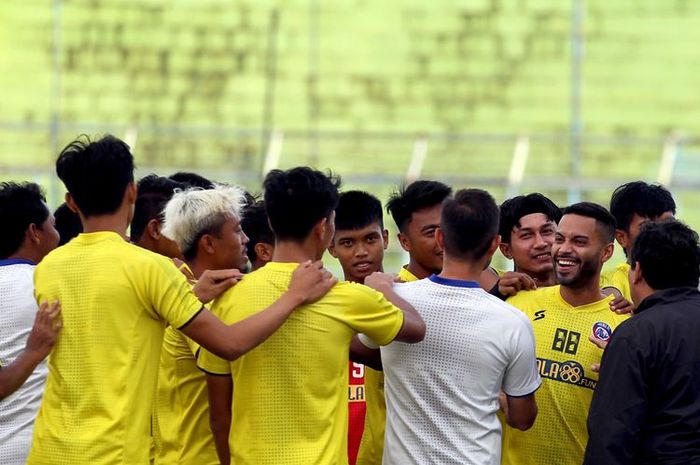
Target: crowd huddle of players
{"points": [[212, 333]]}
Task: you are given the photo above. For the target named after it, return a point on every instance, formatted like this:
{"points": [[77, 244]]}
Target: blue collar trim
{"points": [[16, 261], [453, 282]]}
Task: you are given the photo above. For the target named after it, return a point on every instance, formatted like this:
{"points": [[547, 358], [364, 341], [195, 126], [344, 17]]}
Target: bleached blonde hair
{"points": [[193, 212]]}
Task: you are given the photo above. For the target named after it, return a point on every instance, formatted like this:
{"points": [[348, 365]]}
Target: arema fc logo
{"points": [[602, 331]]}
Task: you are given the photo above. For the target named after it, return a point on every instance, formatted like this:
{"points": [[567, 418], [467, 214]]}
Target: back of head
{"points": [[413, 197], [638, 197], [669, 255], [192, 180], [605, 222], [96, 174], [20, 205], [68, 223], [195, 212], [256, 227], [154, 192], [358, 209], [512, 210], [469, 224], [297, 199]]}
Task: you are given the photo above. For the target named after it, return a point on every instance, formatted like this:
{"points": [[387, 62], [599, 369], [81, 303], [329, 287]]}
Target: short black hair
{"points": [[192, 179], [604, 220], [297, 199], [68, 223], [358, 209], [512, 211], [669, 254], [638, 197], [96, 173], [154, 192], [469, 223], [413, 197], [256, 227], [21, 204]]}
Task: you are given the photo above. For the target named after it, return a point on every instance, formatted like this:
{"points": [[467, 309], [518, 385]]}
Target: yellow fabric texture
{"points": [[618, 278], [290, 393], [406, 276], [116, 299], [182, 431], [564, 357], [372, 444]]}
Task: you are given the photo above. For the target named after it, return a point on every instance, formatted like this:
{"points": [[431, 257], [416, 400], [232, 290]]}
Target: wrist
{"points": [[294, 298]]}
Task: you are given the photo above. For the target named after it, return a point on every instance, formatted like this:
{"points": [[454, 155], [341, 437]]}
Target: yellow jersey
{"points": [[290, 393], [182, 431], [406, 276], [619, 279], [372, 444], [116, 300], [564, 357]]}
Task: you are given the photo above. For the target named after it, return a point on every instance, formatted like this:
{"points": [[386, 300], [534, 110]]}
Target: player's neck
{"points": [[106, 223], [584, 295], [26, 253], [417, 270], [542, 279], [296, 252], [198, 267], [461, 270]]}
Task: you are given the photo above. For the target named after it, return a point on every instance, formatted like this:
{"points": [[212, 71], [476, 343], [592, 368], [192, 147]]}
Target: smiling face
{"points": [[578, 251], [360, 251], [530, 245]]}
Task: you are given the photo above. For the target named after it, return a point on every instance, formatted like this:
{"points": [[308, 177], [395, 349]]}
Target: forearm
{"points": [[413, 328], [220, 391], [359, 353], [13, 376]]}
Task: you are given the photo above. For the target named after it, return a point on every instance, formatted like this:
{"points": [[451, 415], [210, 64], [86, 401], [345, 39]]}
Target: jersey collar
{"points": [[16, 261], [453, 282]]}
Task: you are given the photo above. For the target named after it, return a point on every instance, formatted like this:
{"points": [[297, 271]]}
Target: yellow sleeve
{"points": [[369, 312], [170, 294]]}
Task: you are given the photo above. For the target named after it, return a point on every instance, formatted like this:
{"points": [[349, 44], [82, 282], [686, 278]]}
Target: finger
{"points": [[218, 275], [595, 368], [597, 342]]}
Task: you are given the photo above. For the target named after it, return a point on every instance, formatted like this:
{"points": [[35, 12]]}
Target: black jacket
{"points": [[646, 407]]}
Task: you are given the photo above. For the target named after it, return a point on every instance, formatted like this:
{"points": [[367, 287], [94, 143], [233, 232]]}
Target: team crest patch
{"points": [[602, 331]]}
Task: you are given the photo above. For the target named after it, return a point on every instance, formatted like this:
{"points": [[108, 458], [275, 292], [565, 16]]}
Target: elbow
{"points": [[232, 352], [413, 332], [523, 422]]}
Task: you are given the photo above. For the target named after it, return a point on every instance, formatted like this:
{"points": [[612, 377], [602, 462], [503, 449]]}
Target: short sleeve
{"points": [[521, 377], [171, 294], [369, 312], [212, 364]]}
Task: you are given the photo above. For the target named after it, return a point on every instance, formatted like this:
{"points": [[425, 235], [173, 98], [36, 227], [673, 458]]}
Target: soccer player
{"points": [[442, 395], [26, 335], [632, 204], [206, 226], [262, 242], [359, 244], [646, 408], [289, 401], [563, 316], [116, 299], [416, 211], [527, 227], [147, 224]]}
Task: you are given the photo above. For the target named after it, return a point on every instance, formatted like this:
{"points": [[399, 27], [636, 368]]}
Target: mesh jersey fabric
{"points": [[618, 278], [116, 299], [564, 358], [183, 434], [372, 444], [442, 394], [17, 311], [290, 393]]}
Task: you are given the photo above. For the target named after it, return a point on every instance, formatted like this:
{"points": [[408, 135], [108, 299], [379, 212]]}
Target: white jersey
{"points": [[17, 311], [442, 393]]}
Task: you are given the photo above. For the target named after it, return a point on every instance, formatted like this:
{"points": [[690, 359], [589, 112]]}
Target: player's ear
{"points": [[319, 229], [403, 240], [206, 243], [331, 249], [440, 238], [153, 229], [607, 252], [506, 250], [635, 274], [495, 242], [131, 193], [33, 234], [622, 238], [264, 251], [385, 238]]}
